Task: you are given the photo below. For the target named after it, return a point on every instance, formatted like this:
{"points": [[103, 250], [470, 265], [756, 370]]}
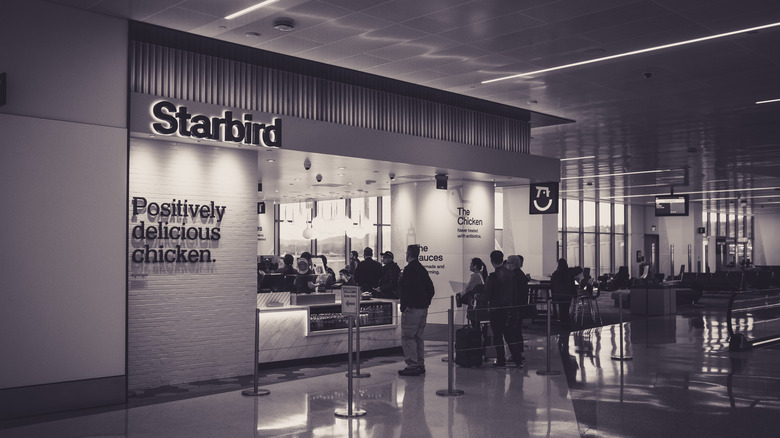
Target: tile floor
{"points": [[681, 382]]}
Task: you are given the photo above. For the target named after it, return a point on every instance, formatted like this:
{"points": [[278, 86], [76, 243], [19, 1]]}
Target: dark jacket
{"points": [[388, 283], [287, 270], [415, 288], [301, 285], [367, 274], [562, 283], [522, 286], [501, 289]]}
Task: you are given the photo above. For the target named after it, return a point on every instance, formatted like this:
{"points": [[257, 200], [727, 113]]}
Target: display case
{"points": [[329, 317]]}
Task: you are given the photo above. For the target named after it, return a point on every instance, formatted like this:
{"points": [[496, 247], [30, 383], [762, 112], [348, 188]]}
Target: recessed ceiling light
{"points": [[284, 24], [253, 34], [636, 52], [342, 168], [270, 160], [250, 9]]}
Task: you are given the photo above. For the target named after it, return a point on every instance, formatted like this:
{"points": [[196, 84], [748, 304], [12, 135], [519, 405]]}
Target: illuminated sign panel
{"points": [[543, 198], [173, 120]]}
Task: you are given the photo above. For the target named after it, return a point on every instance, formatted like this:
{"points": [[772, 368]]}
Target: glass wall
{"points": [[294, 219], [593, 235], [734, 226], [333, 228]]}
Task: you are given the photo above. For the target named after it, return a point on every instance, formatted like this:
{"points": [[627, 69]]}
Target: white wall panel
{"points": [[190, 321], [62, 307]]}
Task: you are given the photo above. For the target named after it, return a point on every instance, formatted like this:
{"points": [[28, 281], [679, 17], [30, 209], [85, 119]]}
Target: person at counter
{"points": [[368, 271], [304, 283], [288, 268], [328, 277], [354, 261], [415, 288], [388, 282]]}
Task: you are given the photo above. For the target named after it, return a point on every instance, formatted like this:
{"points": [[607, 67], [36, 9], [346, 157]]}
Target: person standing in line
{"points": [[388, 282], [416, 292], [501, 292], [515, 323], [474, 287], [368, 271], [563, 290]]}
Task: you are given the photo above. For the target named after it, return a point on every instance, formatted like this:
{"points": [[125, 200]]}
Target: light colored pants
{"points": [[412, 326]]}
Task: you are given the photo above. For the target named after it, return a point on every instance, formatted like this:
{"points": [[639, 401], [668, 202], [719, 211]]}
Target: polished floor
{"points": [[681, 381]]}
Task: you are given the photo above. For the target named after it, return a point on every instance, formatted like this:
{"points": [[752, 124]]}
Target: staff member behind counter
{"points": [[307, 280]]}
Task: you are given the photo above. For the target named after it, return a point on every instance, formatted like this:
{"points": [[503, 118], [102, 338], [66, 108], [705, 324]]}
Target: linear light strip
{"points": [[636, 52], [578, 158], [733, 197], [695, 193], [617, 174], [767, 101], [250, 9]]}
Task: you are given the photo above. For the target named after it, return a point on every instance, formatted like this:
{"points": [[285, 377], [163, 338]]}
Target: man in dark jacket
{"points": [[368, 271], [388, 283], [502, 292], [515, 322], [416, 292]]}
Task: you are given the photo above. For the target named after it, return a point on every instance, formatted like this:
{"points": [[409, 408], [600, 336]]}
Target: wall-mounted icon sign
{"points": [[544, 198]]}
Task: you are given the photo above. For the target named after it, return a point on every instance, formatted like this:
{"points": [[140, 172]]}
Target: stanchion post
{"points": [[349, 412], [548, 371], [622, 356], [255, 391], [357, 373], [450, 391]]}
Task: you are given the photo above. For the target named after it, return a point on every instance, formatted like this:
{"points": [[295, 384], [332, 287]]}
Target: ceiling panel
{"points": [[697, 110]]}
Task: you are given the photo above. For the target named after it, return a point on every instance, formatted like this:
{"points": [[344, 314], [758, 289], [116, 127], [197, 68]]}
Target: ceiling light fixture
{"points": [[250, 9], [767, 101], [578, 158], [617, 174], [284, 24], [695, 193], [636, 52], [743, 200]]}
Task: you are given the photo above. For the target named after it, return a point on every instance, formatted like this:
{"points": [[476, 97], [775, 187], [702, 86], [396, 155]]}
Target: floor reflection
{"points": [[681, 382]]}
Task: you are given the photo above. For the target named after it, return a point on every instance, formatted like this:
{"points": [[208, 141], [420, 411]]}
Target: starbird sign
{"points": [[544, 198]]}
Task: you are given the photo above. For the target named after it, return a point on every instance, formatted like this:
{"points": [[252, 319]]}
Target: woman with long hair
{"points": [[473, 288]]}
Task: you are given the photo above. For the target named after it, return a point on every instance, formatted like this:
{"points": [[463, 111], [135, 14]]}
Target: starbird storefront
{"points": [[211, 128]]}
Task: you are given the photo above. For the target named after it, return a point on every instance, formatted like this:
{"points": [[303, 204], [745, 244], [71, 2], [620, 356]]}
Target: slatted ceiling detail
{"points": [[184, 75]]}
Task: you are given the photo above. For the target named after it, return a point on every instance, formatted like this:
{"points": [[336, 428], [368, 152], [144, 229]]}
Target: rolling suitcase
{"points": [[468, 347]]}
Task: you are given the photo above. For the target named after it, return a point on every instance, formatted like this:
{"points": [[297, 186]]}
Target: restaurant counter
{"points": [[296, 331]]}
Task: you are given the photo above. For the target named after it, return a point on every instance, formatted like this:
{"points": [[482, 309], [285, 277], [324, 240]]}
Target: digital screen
{"points": [[671, 205]]}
